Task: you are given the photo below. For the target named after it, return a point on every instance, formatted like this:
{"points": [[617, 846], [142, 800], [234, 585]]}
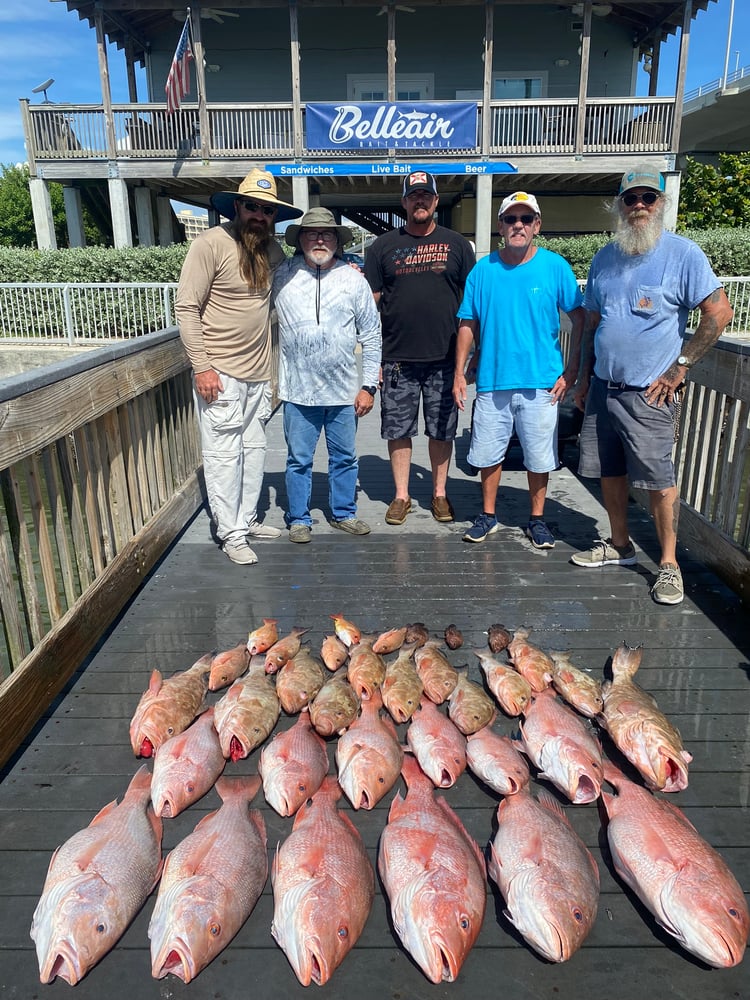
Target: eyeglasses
{"points": [[314, 235], [511, 220], [254, 206], [631, 198]]}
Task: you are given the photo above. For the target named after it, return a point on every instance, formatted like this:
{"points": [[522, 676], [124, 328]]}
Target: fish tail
{"points": [[245, 787], [626, 660]]}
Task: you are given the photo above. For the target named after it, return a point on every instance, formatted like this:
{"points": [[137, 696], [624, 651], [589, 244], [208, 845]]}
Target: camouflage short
{"points": [[403, 383]]}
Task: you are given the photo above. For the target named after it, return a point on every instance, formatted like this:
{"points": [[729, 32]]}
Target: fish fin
{"points": [[104, 812], [245, 787], [155, 681], [203, 850], [544, 798], [626, 660]]}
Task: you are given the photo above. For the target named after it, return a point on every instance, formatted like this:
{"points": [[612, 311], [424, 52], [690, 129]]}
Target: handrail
{"points": [[86, 313], [99, 469], [240, 130]]}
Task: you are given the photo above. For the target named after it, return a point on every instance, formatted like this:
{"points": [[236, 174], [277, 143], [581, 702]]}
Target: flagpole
{"points": [[200, 81]]}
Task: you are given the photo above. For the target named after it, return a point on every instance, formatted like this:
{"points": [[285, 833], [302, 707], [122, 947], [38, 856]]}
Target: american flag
{"points": [[178, 81]]}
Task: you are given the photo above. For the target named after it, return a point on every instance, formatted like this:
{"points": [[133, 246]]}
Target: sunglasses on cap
{"points": [[648, 198], [255, 206], [510, 220]]}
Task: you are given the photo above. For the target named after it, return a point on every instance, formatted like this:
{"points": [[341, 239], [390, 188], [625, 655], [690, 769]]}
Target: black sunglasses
{"points": [[511, 220], [648, 198], [254, 206]]}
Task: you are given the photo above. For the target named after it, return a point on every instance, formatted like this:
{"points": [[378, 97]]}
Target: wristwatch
{"points": [[684, 361], [372, 389]]}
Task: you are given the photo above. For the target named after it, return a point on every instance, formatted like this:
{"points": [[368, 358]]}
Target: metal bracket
{"points": [[113, 169]]}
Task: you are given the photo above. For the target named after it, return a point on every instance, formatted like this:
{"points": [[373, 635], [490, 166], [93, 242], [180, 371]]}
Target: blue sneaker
{"points": [[540, 535], [484, 524]]}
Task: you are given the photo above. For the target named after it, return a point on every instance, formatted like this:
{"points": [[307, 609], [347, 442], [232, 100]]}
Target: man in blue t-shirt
{"points": [[511, 312], [640, 290]]}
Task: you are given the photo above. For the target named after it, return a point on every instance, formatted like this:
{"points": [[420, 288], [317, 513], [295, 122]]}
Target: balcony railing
{"points": [[146, 131]]}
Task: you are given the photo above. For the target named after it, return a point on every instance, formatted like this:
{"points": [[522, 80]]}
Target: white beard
{"points": [[636, 235]]}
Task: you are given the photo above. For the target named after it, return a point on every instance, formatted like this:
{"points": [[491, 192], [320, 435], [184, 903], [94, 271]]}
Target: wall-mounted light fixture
{"points": [[560, 63]]}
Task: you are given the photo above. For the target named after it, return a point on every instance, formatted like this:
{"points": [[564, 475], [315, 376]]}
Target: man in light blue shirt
{"points": [[511, 312], [640, 290]]}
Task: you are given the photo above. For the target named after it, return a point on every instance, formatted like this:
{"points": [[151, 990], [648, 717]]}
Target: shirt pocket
{"points": [[648, 300]]}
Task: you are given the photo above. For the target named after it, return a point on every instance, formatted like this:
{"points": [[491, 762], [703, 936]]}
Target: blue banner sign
{"points": [[372, 125], [347, 169]]}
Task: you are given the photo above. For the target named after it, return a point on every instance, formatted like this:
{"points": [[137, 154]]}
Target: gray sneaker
{"points": [[240, 553], [668, 588], [259, 530], [300, 532], [605, 553], [353, 525]]}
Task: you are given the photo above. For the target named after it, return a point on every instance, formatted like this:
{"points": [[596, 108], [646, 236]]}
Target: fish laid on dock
{"points": [[167, 707], [96, 883], [293, 766], [323, 888], [639, 729], [186, 766], [369, 756], [247, 713], [210, 884]]}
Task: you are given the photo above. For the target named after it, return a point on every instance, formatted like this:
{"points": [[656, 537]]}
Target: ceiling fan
{"points": [[211, 13], [398, 6]]}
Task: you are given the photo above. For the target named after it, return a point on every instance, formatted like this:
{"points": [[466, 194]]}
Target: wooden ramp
{"points": [[695, 662]]}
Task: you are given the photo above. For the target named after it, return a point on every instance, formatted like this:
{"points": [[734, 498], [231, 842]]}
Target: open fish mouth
{"points": [[676, 778], [62, 962], [237, 749], [587, 790], [175, 959]]}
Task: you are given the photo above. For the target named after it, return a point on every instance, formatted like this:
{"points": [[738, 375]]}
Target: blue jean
{"points": [[302, 427]]}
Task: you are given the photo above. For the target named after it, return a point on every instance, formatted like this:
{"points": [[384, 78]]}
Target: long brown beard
{"points": [[252, 248]]}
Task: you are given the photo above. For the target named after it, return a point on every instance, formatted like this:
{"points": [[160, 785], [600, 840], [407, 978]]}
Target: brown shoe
{"points": [[442, 509], [397, 511]]}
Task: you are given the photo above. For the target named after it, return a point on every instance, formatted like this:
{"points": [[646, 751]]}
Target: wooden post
{"points": [[681, 73], [130, 73], [296, 95], [583, 82], [109, 121], [194, 14], [391, 85], [489, 49]]}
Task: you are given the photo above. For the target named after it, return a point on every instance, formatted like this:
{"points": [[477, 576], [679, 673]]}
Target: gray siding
{"points": [[254, 54]]}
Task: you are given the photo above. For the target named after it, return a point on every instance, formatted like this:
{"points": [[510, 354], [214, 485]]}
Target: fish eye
{"points": [[464, 923], [101, 928], [190, 788], [578, 915], [732, 911], [170, 730], [381, 780], [302, 787], [214, 929], [343, 932]]}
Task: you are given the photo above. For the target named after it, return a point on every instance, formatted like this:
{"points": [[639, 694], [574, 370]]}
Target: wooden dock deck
{"points": [[696, 662]]}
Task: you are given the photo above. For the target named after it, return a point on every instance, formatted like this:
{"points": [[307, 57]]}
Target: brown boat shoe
{"points": [[442, 509], [397, 511]]}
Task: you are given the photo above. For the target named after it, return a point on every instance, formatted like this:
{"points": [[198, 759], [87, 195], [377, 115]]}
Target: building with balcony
{"points": [[340, 99]]}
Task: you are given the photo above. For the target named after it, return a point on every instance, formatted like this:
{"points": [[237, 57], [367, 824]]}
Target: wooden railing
{"points": [[99, 470], [713, 464], [146, 131]]}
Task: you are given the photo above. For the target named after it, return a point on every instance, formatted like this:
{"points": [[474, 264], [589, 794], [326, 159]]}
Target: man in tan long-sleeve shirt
{"points": [[223, 313]]}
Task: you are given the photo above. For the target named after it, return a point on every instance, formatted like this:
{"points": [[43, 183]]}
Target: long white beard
{"points": [[637, 236]]}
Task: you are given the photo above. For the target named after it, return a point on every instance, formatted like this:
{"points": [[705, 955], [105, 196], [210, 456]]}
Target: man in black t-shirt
{"points": [[417, 274]]}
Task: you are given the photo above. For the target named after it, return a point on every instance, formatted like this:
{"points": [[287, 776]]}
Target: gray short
{"points": [[403, 383], [623, 435]]}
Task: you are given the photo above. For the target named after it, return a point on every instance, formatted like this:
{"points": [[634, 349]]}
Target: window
{"points": [[409, 87], [519, 86]]}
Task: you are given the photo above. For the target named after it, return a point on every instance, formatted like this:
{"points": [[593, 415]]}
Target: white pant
{"points": [[233, 440]]}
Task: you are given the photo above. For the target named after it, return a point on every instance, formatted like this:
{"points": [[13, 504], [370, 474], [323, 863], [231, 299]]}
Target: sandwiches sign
{"points": [[372, 125]]}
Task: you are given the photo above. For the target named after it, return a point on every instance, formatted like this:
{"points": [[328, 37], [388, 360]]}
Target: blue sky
{"points": [[39, 39]]}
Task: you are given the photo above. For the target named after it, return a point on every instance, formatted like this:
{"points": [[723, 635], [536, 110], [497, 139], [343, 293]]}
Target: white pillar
{"points": [[144, 218], [41, 207], [672, 190], [118, 203], [484, 224], [164, 219], [74, 216], [300, 193]]}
